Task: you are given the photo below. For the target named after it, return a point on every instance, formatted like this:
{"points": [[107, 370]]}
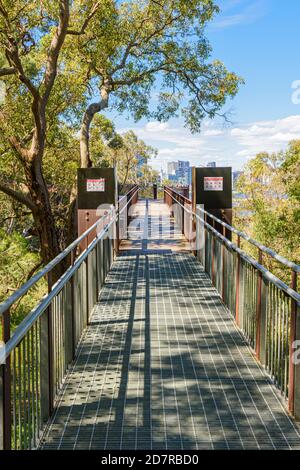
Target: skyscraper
{"points": [[172, 167]]}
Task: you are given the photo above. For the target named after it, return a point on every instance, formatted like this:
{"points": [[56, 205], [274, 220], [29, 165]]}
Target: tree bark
{"points": [[43, 216], [92, 109]]}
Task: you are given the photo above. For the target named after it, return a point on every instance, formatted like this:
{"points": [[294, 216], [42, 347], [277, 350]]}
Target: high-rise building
{"points": [[179, 172], [211, 165], [182, 172], [172, 167]]}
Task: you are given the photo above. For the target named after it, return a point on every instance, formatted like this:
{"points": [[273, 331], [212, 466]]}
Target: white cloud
{"points": [[242, 153], [212, 133], [227, 146], [236, 12], [179, 152], [268, 135], [154, 126], [162, 133]]}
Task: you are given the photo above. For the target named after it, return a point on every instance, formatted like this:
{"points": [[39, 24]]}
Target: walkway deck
{"points": [[162, 365]]}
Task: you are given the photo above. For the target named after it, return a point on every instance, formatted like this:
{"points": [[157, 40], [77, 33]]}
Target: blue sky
{"points": [[259, 40]]}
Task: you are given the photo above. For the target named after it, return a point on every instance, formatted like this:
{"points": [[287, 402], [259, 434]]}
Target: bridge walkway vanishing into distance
{"points": [[161, 362], [162, 365]]}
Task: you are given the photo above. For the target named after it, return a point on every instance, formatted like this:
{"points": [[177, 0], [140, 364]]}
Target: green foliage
{"points": [[128, 154], [17, 262], [271, 211], [131, 48]]}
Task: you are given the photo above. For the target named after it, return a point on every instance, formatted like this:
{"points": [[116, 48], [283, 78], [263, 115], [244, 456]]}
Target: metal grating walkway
{"points": [[162, 366]]}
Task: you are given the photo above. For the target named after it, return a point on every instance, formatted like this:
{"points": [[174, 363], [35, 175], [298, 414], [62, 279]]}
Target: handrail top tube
{"points": [[281, 259], [122, 196], [4, 306], [41, 306]]}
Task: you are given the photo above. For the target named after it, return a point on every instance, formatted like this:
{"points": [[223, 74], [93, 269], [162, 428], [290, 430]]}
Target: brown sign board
{"points": [[212, 188], [96, 186], [97, 192]]}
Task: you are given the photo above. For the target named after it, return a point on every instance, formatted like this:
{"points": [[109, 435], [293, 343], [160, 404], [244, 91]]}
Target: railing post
{"points": [[73, 256], [206, 257], [117, 241], [294, 372], [297, 367], [213, 255], [87, 288], [258, 306], [68, 307], [2, 412], [223, 264], [238, 282], [182, 209], [46, 361], [262, 347], [5, 390]]}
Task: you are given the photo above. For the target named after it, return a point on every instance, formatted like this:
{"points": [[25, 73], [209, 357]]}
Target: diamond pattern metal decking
{"points": [[162, 366]]}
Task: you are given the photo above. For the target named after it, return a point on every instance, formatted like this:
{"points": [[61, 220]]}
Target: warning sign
{"points": [[213, 183], [97, 186]]}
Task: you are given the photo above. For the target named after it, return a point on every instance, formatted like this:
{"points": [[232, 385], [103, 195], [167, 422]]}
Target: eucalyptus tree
{"points": [[39, 88], [271, 208], [63, 62], [150, 58]]}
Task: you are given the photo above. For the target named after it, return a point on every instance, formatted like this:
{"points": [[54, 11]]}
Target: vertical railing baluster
{"points": [[258, 306], [213, 255], [223, 264], [286, 346], [293, 331], [19, 386], [14, 368], [5, 389]]}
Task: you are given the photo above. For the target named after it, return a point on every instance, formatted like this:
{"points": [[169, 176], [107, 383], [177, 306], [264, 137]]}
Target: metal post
{"points": [[213, 255], [297, 368], [293, 335], [262, 353], [5, 390], [87, 288], [50, 351], [258, 306], [205, 245], [154, 191], [68, 321], [117, 241], [182, 202], [237, 282], [223, 265], [73, 255]]}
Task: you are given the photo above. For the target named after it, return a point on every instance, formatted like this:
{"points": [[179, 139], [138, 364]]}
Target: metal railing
{"points": [[36, 357], [265, 308]]}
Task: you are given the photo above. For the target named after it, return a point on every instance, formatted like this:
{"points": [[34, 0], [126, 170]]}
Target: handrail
{"points": [[37, 311], [45, 301], [54, 325], [179, 194], [122, 196], [266, 273], [281, 259], [4, 306]]}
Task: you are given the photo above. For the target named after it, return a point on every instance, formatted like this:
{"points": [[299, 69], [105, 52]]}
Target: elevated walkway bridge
{"points": [[155, 339]]}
